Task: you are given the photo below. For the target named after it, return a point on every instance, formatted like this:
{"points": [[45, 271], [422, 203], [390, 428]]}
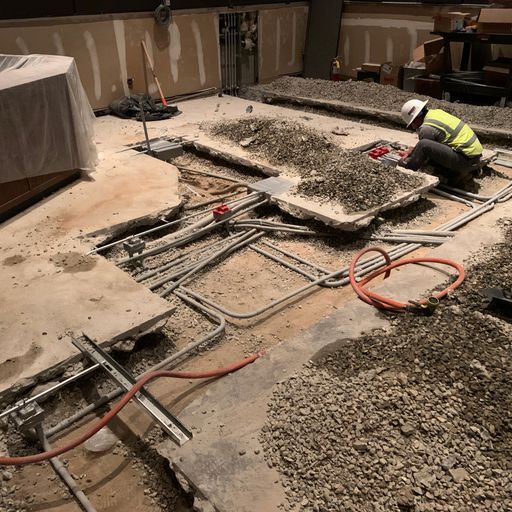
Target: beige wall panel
{"points": [[108, 52], [282, 36], [381, 33]]}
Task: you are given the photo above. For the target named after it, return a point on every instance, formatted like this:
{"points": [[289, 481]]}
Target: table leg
{"points": [[466, 51]]}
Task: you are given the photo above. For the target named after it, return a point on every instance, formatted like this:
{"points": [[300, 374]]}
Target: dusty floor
{"points": [[105, 477]]}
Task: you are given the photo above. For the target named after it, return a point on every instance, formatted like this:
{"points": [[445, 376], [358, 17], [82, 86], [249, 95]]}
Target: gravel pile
{"points": [[327, 171], [372, 95], [416, 420]]}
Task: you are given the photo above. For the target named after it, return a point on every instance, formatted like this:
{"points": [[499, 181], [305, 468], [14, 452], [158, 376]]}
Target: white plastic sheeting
{"points": [[46, 121]]}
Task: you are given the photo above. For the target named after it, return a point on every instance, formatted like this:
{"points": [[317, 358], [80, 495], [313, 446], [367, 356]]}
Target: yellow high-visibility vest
{"points": [[457, 134]]}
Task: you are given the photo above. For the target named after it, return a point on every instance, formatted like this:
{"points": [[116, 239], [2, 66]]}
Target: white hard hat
{"points": [[412, 109]]}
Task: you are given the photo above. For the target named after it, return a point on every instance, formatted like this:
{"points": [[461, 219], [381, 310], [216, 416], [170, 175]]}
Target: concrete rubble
{"points": [[387, 98], [328, 172], [418, 418]]}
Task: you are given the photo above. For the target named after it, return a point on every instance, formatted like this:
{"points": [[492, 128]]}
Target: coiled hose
{"points": [[386, 303], [55, 452]]}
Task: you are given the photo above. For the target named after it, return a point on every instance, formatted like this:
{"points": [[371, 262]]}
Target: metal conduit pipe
{"points": [[279, 260], [112, 395], [64, 474], [471, 195], [452, 197], [420, 232], [248, 236], [219, 200], [410, 239], [176, 261], [163, 226], [209, 226], [213, 175], [196, 264], [296, 257], [276, 229]]}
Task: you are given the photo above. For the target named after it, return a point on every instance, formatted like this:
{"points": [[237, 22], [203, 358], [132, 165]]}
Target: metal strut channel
{"points": [[171, 425]]}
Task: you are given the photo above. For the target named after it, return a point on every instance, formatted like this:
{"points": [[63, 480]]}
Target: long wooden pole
{"points": [[157, 82]]}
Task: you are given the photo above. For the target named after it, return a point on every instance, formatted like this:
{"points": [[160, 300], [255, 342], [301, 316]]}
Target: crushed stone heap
{"points": [[327, 172], [383, 97], [419, 419]]}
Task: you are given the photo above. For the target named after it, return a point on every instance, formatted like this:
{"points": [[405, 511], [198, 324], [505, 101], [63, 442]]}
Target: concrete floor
{"points": [[54, 291]]}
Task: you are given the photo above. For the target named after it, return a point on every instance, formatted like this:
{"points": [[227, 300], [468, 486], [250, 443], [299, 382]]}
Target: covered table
{"points": [[46, 129]]}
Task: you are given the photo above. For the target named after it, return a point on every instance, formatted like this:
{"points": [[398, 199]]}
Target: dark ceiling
{"points": [[41, 8]]}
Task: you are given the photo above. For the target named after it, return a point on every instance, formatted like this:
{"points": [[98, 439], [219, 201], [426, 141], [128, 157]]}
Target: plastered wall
{"points": [[186, 54], [282, 36], [108, 52], [387, 33]]}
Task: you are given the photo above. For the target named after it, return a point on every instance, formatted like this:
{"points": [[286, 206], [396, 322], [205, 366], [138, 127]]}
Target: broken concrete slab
{"points": [[52, 289]]}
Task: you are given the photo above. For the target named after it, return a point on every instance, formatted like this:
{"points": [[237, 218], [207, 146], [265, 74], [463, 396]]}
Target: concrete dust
{"points": [[414, 420], [73, 262], [387, 98], [328, 172]]}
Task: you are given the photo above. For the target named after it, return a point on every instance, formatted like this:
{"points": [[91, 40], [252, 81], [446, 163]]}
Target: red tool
{"points": [[378, 152], [221, 212]]}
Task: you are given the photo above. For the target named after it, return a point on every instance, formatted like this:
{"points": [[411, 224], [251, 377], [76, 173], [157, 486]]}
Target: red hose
{"points": [[29, 459], [385, 303]]}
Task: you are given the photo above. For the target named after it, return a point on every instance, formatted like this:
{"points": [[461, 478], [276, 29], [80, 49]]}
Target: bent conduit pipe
{"points": [[64, 475], [364, 268], [249, 236], [207, 225], [112, 395]]}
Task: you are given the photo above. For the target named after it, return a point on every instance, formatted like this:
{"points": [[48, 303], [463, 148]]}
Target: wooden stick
{"points": [[157, 82]]}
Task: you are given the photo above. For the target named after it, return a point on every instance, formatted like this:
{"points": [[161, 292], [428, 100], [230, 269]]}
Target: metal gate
{"points": [[239, 50]]}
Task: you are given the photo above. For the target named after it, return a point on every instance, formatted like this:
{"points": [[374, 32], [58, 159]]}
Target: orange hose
{"points": [[386, 303], [30, 459]]}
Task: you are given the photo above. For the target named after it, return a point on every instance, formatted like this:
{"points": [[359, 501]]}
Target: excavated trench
{"points": [[159, 489]]}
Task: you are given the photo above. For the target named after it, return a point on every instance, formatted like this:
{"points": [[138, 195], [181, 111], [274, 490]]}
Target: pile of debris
{"points": [[419, 419], [372, 95], [327, 172]]}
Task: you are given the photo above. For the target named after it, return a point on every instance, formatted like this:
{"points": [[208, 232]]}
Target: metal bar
{"points": [[47, 392], [162, 364], [171, 425]]}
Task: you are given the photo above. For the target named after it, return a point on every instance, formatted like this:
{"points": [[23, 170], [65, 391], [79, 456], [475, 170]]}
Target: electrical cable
{"points": [[55, 452], [385, 303]]}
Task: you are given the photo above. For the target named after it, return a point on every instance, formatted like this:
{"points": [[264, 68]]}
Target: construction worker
{"points": [[446, 142]]}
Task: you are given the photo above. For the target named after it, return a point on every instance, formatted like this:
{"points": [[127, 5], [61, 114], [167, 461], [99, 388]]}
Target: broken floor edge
{"points": [[24, 385]]}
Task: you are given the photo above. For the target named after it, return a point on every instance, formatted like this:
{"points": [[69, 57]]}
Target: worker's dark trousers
{"points": [[452, 165]]}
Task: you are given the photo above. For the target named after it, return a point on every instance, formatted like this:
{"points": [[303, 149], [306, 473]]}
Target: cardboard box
{"points": [[449, 21], [368, 76], [428, 86], [369, 66], [391, 74], [495, 21], [410, 75], [432, 54]]}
